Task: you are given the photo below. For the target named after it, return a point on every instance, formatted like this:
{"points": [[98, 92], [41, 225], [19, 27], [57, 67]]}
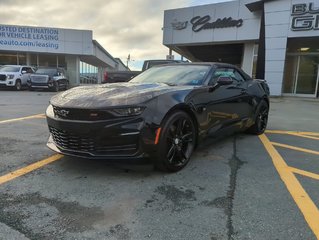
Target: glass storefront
{"points": [[22, 58], [301, 70], [46, 60], [8, 58], [13, 58], [255, 57], [35, 60], [88, 73]]}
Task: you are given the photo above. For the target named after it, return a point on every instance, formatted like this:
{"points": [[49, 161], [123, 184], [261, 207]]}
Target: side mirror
{"points": [[24, 72], [225, 80]]}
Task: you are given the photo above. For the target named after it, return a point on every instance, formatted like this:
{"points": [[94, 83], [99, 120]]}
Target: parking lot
{"points": [[237, 187]]}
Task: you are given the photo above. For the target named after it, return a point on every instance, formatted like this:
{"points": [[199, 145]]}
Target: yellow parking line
{"points": [[300, 196], [304, 173], [292, 132], [295, 148], [309, 133], [303, 135], [23, 118], [22, 171]]}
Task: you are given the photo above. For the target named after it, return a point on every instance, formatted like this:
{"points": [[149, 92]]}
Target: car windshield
{"points": [[174, 75], [9, 69], [48, 71]]}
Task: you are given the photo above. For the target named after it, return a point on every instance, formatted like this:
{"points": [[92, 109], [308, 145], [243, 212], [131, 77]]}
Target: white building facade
{"points": [[82, 57], [276, 39]]}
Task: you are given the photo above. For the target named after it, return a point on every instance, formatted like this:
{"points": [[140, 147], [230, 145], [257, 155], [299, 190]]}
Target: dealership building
{"points": [[277, 40], [83, 58]]}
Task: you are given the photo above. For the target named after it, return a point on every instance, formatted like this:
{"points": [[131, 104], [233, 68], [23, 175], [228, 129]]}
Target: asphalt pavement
{"points": [[238, 187]]}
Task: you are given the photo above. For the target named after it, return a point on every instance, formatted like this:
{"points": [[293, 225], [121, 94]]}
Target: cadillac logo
{"points": [[179, 25]]}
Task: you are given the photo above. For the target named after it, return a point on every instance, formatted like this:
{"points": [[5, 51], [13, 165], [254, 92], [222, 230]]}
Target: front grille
{"points": [[39, 84], [82, 114], [3, 77], [39, 79], [84, 143], [72, 141]]}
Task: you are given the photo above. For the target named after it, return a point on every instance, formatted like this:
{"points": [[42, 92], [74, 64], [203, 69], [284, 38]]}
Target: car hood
{"points": [[111, 95], [11, 73], [41, 74]]}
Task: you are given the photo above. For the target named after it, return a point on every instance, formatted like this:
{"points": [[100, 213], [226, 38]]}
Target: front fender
{"points": [[168, 103]]}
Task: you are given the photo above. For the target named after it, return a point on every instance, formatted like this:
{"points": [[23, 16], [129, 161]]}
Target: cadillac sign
{"points": [[304, 17], [204, 23]]}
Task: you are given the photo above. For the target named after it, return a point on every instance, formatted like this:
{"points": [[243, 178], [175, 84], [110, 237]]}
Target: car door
{"points": [[228, 105], [25, 74]]}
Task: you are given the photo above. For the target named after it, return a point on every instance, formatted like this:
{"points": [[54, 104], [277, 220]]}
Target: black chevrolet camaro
{"points": [[162, 114]]}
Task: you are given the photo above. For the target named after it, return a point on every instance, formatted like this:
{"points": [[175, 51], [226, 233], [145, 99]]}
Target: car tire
{"points": [[261, 119], [66, 85], [18, 85], [56, 87], [176, 143]]}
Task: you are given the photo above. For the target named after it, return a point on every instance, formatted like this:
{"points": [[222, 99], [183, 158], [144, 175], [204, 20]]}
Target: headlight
{"points": [[10, 76], [129, 111], [49, 112]]}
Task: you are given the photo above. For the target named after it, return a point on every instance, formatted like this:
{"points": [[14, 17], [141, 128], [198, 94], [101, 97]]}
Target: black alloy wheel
{"points": [[177, 142], [18, 85], [261, 120]]}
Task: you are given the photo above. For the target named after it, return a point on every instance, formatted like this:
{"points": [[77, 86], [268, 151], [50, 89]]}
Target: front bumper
{"points": [[7, 83], [38, 85], [125, 138]]}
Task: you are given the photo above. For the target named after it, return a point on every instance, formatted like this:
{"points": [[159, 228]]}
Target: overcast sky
{"points": [[122, 27]]}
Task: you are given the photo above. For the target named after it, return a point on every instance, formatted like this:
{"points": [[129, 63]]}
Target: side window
{"points": [[238, 76], [227, 72], [24, 69], [29, 70], [223, 72]]}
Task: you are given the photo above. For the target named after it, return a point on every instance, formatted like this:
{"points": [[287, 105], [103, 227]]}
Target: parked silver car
{"points": [[15, 76], [48, 78]]}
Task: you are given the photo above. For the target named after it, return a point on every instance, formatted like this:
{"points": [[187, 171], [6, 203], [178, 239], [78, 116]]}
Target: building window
{"points": [[47, 60], [61, 61], [33, 60], [8, 59], [302, 46], [255, 57], [301, 74], [88, 73], [22, 59]]}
